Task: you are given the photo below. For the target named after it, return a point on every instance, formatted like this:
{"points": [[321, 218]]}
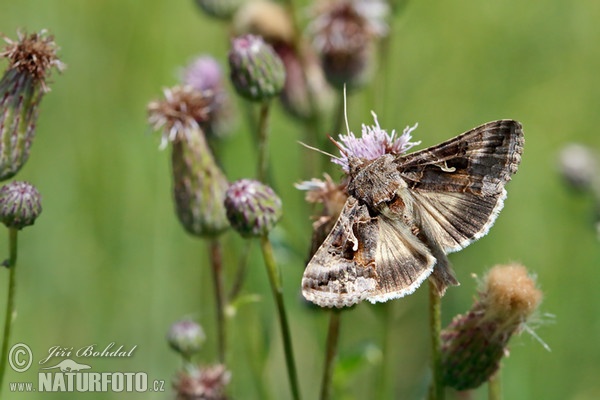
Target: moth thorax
{"points": [[376, 181]]}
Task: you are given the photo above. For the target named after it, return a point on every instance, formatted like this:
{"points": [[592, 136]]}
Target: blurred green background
{"points": [[108, 262]]}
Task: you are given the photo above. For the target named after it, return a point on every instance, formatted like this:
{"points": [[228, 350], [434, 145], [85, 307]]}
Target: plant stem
{"points": [[495, 386], [216, 261], [436, 391], [263, 141], [11, 310], [277, 288], [333, 335], [240, 275]]}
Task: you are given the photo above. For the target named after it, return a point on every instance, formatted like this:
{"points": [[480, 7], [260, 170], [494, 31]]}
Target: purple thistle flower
{"points": [[204, 73], [373, 143]]}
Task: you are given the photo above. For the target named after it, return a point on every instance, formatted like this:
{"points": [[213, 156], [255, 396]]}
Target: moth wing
{"points": [[458, 186], [365, 258]]}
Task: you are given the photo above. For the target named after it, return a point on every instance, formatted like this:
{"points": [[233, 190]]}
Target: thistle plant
{"points": [[253, 210], [31, 60], [258, 75], [199, 185], [20, 206], [474, 343]]}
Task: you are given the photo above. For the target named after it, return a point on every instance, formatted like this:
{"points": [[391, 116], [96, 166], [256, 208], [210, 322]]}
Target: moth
{"points": [[405, 213]]}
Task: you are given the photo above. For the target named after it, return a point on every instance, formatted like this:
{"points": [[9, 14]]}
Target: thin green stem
{"points": [[385, 310], [277, 289], [333, 335], [263, 141], [495, 386], [11, 310], [436, 391], [240, 275], [216, 261]]}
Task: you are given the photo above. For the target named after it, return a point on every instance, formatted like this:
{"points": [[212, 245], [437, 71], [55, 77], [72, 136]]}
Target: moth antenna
{"points": [[318, 150], [338, 145], [346, 112]]}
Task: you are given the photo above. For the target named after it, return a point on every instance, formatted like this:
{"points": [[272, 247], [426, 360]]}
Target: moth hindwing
{"points": [[404, 213]]}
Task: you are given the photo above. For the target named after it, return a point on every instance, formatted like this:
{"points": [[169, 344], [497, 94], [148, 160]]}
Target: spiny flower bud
{"points": [[206, 383], [186, 337], [253, 208], [199, 185], [222, 9], [344, 33], [474, 343], [22, 87], [257, 72], [20, 204]]}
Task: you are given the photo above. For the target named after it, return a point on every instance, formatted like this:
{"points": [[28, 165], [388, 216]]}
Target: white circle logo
{"points": [[20, 357]]}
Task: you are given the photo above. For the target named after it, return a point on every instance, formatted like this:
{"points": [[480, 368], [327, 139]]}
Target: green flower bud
{"points": [[31, 59], [253, 208], [186, 337], [257, 72], [199, 185], [474, 343], [20, 204]]}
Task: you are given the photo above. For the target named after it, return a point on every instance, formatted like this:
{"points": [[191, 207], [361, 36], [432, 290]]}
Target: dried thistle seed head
{"points": [[222, 9], [31, 60], [267, 19], [333, 197], [20, 204], [202, 383], [33, 55], [474, 343], [179, 113], [204, 74], [186, 337], [199, 185], [253, 208], [257, 72], [344, 33]]}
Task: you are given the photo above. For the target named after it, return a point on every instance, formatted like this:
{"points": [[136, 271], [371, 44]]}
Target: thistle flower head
{"points": [[31, 60], [179, 113], [373, 143], [33, 55], [253, 208], [474, 343], [186, 337], [204, 75], [20, 204], [579, 166], [257, 72], [333, 197], [205, 383], [344, 32]]}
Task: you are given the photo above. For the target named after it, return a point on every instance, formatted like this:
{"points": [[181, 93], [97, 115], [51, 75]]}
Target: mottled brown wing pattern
{"points": [[458, 186], [365, 258]]}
